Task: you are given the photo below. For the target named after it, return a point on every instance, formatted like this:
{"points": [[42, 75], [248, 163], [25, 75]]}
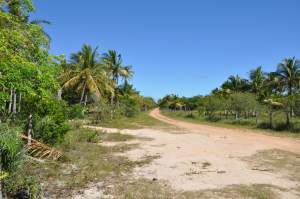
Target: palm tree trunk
{"points": [[20, 101], [290, 92], [288, 118], [59, 93], [112, 99], [82, 94], [256, 117], [236, 115], [85, 99], [271, 119], [1, 184], [14, 108], [29, 130], [10, 100]]}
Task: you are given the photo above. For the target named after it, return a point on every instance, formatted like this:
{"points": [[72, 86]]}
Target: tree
{"points": [[127, 74], [211, 105], [242, 102], [113, 61], [236, 84], [257, 79], [87, 75], [288, 72]]}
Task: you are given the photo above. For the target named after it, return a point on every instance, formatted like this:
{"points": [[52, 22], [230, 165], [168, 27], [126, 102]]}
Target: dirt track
{"points": [[200, 157], [237, 139]]}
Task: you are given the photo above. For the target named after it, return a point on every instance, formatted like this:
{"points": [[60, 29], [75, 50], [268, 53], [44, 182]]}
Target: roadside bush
{"points": [[211, 105], [50, 131], [76, 111], [11, 149], [22, 186], [80, 135], [15, 183]]}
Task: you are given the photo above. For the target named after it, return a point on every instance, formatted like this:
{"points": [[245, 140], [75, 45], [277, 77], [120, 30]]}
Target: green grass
{"points": [[247, 124], [141, 120]]}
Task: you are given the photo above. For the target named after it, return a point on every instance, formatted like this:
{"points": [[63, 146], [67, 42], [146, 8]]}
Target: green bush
{"points": [[16, 184], [11, 149], [76, 111], [80, 135], [50, 131], [22, 186]]}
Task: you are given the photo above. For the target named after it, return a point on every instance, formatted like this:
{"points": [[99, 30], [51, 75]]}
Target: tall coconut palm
{"points": [[257, 78], [87, 75], [113, 61], [288, 72], [236, 84], [127, 74]]}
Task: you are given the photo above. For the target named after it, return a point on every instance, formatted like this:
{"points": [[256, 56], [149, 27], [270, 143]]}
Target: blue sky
{"points": [[184, 47]]}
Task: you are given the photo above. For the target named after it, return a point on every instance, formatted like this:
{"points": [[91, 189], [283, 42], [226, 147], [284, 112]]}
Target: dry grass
{"points": [[84, 162], [149, 189], [283, 162]]}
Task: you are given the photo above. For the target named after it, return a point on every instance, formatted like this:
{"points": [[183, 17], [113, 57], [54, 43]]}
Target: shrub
{"points": [[22, 186], [16, 184], [50, 131], [76, 111], [11, 150]]}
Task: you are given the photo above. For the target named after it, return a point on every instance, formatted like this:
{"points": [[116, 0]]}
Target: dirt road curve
{"points": [[199, 157], [237, 139]]}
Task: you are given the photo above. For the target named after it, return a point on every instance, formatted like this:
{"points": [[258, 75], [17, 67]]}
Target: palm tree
{"points": [[127, 74], [257, 78], [236, 84], [113, 61], [288, 72], [87, 75]]}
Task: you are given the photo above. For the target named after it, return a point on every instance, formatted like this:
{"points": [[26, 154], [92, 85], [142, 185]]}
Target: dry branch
{"points": [[40, 150]]}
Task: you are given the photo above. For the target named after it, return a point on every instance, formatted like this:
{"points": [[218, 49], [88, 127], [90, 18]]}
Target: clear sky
{"points": [[186, 47]]}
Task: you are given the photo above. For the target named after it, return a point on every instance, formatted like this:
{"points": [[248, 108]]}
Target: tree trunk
{"points": [[20, 101], [82, 94], [59, 93], [271, 119], [29, 130], [1, 195], [85, 99], [14, 108], [288, 118], [112, 99], [290, 92], [256, 117], [10, 100]]}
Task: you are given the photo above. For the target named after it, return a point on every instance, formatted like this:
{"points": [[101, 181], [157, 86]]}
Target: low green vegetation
{"points": [[265, 100], [245, 125], [40, 93]]}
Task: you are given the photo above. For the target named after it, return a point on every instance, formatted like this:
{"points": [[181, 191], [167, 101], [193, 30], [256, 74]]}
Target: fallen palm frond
{"points": [[40, 150]]}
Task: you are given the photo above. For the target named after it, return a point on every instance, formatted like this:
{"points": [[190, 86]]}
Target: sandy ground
{"points": [[206, 157]]}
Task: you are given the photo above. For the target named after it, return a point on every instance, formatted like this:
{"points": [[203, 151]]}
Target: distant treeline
{"points": [[261, 96]]}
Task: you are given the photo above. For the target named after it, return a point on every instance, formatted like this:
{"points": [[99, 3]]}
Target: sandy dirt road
{"points": [[237, 139], [201, 157]]}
